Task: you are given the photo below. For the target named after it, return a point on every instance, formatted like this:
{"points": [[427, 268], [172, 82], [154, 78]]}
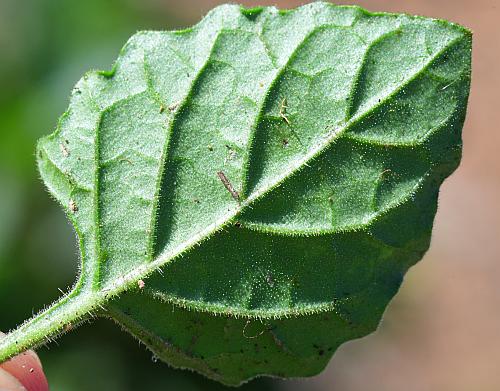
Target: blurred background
{"points": [[442, 332]]}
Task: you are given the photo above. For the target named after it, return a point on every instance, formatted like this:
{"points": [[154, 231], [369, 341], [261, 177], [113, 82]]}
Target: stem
{"points": [[58, 318]]}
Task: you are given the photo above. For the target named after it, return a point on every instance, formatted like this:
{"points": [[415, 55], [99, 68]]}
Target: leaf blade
{"points": [[237, 155]]}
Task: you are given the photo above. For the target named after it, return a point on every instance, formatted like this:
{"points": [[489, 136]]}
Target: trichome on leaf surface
{"points": [[249, 193]]}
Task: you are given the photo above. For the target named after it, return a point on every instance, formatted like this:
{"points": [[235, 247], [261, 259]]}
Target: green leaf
{"points": [[249, 193]]}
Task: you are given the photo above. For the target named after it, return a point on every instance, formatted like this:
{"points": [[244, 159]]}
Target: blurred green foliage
{"points": [[46, 47]]}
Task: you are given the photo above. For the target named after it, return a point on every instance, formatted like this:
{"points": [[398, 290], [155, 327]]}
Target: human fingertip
{"points": [[27, 369]]}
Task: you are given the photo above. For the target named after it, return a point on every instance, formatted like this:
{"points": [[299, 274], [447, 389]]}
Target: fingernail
{"points": [[9, 382]]}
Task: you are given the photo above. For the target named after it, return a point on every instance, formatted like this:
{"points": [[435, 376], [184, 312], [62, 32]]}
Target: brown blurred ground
{"points": [[442, 332]]}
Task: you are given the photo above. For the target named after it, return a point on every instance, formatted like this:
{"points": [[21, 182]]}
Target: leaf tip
{"points": [[251, 13]]}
